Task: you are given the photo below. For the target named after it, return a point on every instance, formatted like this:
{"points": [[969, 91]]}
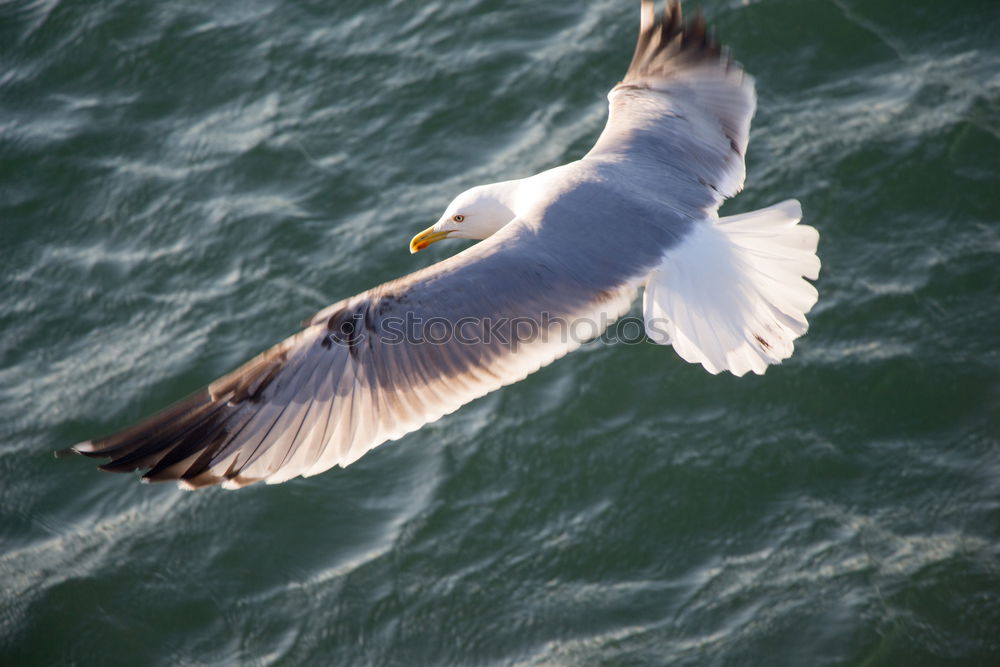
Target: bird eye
{"points": [[458, 218]]}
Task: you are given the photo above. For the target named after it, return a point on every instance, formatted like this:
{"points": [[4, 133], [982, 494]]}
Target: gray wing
{"points": [[682, 113], [381, 364]]}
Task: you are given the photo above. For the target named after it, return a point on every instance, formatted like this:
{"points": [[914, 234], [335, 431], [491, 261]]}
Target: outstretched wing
{"points": [[380, 365], [684, 108]]}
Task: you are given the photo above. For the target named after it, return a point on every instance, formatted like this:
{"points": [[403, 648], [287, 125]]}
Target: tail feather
{"points": [[733, 295]]}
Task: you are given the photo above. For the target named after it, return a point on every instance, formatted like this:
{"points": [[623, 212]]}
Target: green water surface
{"points": [[182, 182]]}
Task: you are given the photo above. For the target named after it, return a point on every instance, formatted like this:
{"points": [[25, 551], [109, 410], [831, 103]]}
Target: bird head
{"points": [[475, 214]]}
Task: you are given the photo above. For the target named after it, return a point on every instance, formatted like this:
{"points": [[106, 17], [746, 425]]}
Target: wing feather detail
{"points": [[349, 381], [684, 109]]}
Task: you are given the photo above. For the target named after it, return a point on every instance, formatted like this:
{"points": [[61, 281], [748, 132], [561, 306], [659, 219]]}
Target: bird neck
{"points": [[504, 194]]}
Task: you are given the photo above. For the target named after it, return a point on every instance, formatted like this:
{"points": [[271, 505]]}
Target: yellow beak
{"points": [[425, 238]]}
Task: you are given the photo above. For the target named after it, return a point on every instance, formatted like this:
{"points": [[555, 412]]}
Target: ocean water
{"points": [[181, 183]]}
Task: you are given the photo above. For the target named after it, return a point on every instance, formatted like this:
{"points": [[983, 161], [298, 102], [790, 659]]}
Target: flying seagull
{"points": [[570, 246]]}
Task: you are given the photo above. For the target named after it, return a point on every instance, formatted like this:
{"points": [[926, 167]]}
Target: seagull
{"points": [[562, 255]]}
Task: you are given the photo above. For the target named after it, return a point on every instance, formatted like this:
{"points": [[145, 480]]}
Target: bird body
{"points": [[562, 255]]}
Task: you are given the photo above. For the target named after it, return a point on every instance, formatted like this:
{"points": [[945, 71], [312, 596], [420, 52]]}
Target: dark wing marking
{"points": [[378, 365], [684, 107]]}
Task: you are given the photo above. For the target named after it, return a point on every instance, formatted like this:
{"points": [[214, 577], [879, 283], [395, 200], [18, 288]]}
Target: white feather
{"points": [[733, 295]]}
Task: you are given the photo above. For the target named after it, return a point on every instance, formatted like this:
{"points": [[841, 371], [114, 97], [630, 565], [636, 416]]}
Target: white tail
{"points": [[732, 295]]}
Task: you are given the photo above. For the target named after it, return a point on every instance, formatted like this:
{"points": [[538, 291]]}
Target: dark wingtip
{"points": [[181, 442], [69, 451], [655, 51]]}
